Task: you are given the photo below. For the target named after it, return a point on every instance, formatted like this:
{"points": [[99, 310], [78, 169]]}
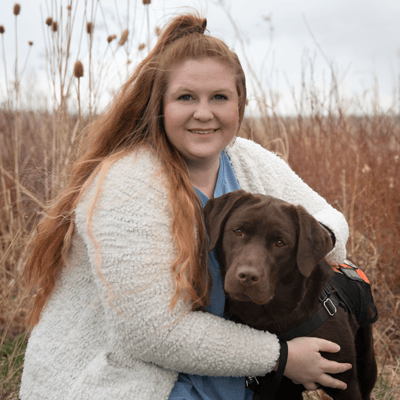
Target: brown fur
{"points": [[273, 275]]}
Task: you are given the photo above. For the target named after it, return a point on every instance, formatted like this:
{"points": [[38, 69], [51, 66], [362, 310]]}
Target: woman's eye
{"points": [[238, 232], [280, 243], [185, 97], [220, 97]]}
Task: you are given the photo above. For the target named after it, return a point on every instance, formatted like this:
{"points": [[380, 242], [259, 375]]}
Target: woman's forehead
{"points": [[202, 73]]}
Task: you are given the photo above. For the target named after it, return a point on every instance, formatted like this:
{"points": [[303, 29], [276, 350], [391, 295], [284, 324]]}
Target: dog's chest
{"points": [[271, 318]]}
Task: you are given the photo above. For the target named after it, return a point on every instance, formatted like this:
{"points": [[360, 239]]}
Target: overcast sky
{"points": [[360, 38]]}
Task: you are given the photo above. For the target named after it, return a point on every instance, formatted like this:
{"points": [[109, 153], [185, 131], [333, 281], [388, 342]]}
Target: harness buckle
{"points": [[249, 380], [330, 307]]}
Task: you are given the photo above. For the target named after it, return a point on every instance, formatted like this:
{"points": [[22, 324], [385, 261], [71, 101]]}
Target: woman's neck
{"points": [[204, 176]]}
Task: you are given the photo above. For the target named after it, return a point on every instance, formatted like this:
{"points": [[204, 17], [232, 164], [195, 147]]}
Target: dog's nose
{"points": [[248, 276]]}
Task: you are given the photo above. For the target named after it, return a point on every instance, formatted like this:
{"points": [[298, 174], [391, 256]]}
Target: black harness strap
{"points": [[330, 303], [270, 395], [267, 389]]}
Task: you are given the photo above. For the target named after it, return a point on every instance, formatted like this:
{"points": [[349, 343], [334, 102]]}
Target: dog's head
{"points": [[261, 240]]}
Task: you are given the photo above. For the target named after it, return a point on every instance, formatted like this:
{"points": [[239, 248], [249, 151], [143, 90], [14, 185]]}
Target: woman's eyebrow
{"points": [[223, 90], [183, 89], [188, 89]]}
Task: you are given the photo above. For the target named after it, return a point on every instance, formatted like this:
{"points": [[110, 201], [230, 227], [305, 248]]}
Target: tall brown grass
{"points": [[351, 160]]}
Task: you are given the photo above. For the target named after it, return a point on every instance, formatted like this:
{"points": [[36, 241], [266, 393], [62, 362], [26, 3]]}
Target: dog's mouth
{"points": [[245, 297], [240, 297]]}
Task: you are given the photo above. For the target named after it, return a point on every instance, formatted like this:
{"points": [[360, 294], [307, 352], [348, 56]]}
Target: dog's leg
{"points": [[342, 329], [366, 364]]}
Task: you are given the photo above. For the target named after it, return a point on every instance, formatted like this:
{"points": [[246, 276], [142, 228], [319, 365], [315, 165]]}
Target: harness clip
{"points": [[330, 307], [249, 380]]}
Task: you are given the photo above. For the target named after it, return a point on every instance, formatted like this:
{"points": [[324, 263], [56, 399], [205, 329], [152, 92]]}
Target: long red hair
{"points": [[135, 118]]}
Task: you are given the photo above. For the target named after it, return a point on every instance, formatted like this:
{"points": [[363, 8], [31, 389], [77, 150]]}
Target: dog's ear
{"points": [[217, 211], [314, 242]]}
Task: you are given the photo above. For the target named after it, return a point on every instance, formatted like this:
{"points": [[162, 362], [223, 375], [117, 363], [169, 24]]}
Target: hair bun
{"points": [[197, 28], [183, 25], [204, 24]]}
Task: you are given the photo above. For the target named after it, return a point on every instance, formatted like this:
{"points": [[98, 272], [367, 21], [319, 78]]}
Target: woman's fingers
{"points": [[306, 365], [311, 386], [326, 345], [333, 367], [329, 381]]}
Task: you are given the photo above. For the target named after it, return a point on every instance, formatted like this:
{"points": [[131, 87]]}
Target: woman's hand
{"points": [[305, 364]]}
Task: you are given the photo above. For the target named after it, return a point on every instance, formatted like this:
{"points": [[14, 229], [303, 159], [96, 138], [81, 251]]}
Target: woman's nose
{"points": [[203, 112]]}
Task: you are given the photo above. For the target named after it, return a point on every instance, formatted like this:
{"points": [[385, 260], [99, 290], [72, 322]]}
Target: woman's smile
{"points": [[205, 132], [202, 132]]}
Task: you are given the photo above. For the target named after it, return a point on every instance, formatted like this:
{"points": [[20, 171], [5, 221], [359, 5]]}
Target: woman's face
{"points": [[201, 112]]}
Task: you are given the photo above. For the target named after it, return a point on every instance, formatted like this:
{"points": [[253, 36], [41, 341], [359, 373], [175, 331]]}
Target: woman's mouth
{"points": [[202, 132]]}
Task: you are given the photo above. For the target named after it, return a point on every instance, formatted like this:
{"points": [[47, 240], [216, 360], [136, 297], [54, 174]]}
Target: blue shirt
{"points": [[196, 387]]}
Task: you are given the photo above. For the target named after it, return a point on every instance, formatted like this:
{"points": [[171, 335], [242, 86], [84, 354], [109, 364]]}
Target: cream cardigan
{"points": [[86, 348]]}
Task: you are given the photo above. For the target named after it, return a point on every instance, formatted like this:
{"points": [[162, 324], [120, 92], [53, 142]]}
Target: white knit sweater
{"points": [[86, 348]]}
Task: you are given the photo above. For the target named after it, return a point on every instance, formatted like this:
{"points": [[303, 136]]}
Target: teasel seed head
{"points": [[111, 38], [146, 1], [78, 69], [69, 7], [30, 43], [124, 37], [2, 30], [49, 21], [17, 9], [54, 26], [141, 46], [89, 28], [158, 31]]}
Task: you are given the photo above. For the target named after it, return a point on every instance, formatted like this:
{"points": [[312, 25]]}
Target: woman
{"points": [[123, 308]]}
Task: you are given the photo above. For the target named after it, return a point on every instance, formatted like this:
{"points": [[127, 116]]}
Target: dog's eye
{"points": [[238, 232], [280, 243]]}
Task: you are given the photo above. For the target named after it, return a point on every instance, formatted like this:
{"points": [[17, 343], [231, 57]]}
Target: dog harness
{"points": [[348, 288]]}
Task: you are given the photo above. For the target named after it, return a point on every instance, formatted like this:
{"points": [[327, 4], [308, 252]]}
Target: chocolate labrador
{"points": [[272, 262]]}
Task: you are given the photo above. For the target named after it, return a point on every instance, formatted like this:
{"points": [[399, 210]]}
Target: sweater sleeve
{"points": [[131, 252], [261, 171]]}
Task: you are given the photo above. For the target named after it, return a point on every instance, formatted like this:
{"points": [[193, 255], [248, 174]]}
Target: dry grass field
{"points": [[351, 160]]}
